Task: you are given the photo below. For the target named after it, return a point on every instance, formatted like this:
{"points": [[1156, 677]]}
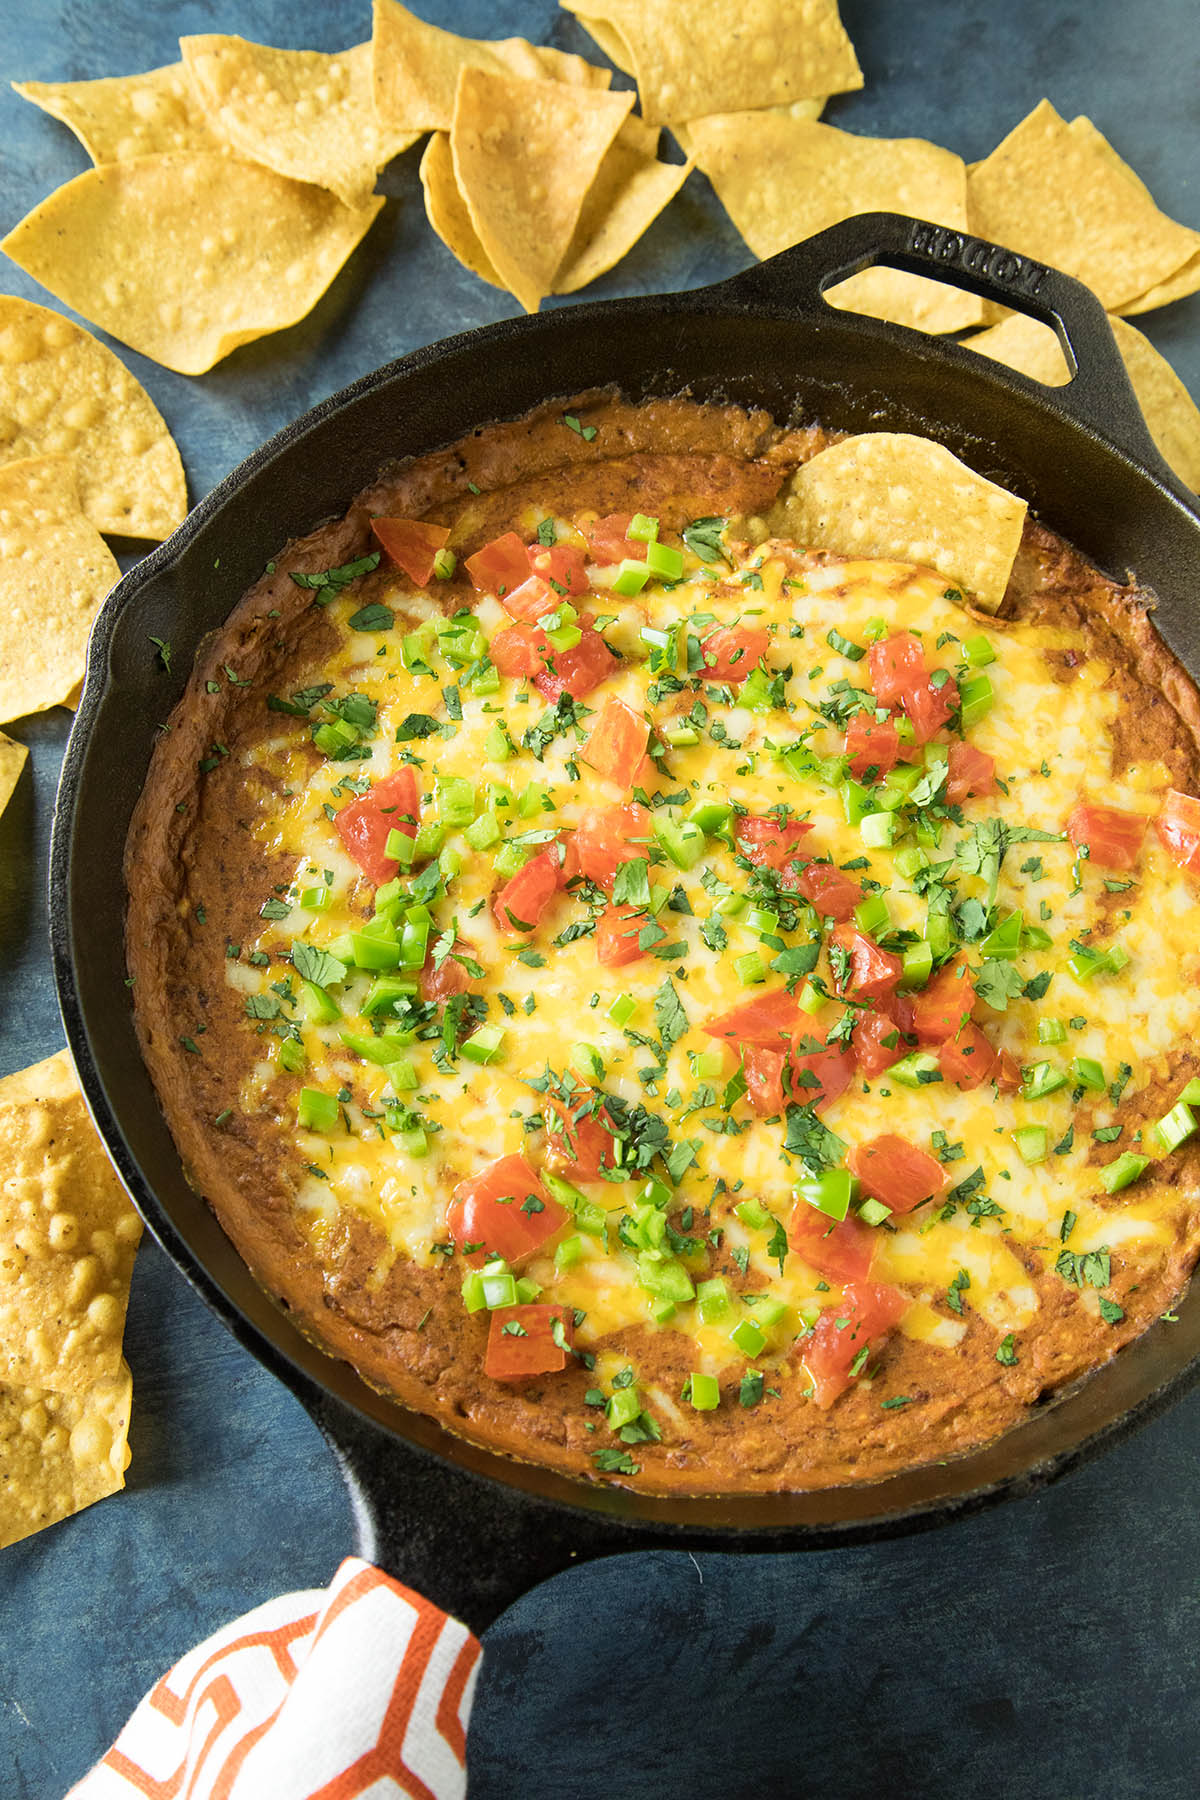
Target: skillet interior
{"points": [[764, 339]]}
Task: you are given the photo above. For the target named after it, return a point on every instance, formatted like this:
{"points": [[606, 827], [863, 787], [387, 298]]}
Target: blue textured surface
{"points": [[1047, 1648]]}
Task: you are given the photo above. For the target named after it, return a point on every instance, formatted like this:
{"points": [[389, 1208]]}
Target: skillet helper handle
{"points": [[1098, 397], [471, 1546]]}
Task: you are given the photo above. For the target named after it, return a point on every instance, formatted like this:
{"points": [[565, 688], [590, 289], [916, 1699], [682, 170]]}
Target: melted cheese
{"points": [[1051, 744]]}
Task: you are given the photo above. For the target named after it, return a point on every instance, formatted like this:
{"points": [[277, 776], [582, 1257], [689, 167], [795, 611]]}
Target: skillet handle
{"points": [[468, 1544], [1098, 397]]}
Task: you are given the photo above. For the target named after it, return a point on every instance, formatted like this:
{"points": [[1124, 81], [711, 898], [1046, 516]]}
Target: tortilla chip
{"points": [[1186, 279], [525, 156], [186, 257], [630, 190], [1170, 412], [55, 569], [892, 495], [300, 112], [416, 68], [127, 115], [1049, 192], [12, 760], [447, 212], [609, 39], [68, 1236], [782, 178], [64, 393], [694, 57], [60, 1452]]}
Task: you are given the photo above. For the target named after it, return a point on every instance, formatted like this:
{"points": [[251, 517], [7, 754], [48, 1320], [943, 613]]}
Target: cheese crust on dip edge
{"points": [[680, 1006]]}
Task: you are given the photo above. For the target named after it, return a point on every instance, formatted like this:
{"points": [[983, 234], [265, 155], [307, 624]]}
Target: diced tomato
{"points": [[929, 706], [864, 1315], [617, 742], [839, 1252], [942, 1006], [972, 773], [617, 932], [500, 566], [561, 564], [730, 652], [608, 543], [505, 1211], [877, 1043], [578, 1137], [527, 894], [873, 973], [412, 545], [447, 979], [520, 651], [533, 599], [1178, 826], [819, 1077], [766, 843], [967, 1059], [871, 743], [391, 805], [833, 893], [763, 1070], [1007, 1073], [578, 670], [764, 1021], [897, 665], [609, 836], [514, 1355], [1114, 837], [896, 1172]]}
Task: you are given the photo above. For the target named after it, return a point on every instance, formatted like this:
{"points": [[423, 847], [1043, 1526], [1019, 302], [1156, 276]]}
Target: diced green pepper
{"points": [[920, 1068], [631, 577], [483, 832], [316, 1111], [1176, 1127], [1051, 1031], [830, 1192], [1033, 1143], [1125, 1170], [712, 1300], [485, 1045], [978, 651], [370, 952], [747, 1338], [704, 1392], [753, 1215], [1089, 1073], [917, 962], [318, 1007], [1042, 1079]]}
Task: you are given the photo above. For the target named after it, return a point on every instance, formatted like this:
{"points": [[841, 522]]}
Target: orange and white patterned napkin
{"points": [[358, 1691]]}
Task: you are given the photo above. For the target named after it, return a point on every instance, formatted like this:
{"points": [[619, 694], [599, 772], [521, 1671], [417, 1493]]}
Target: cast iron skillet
{"points": [[466, 1526]]}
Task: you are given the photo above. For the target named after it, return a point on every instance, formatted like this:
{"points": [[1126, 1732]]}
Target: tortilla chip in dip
{"points": [[12, 760], [416, 68], [68, 1236], [1169, 410], [887, 493], [55, 569], [303, 113], [525, 156], [63, 392], [60, 1452], [121, 116], [694, 57], [185, 257], [782, 178], [1053, 192]]}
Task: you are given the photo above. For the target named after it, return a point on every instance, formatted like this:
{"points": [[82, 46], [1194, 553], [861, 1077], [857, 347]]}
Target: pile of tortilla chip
{"points": [[68, 1236]]}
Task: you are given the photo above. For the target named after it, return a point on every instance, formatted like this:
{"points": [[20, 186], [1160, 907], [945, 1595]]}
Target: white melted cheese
{"points": [[1052, 746]]}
